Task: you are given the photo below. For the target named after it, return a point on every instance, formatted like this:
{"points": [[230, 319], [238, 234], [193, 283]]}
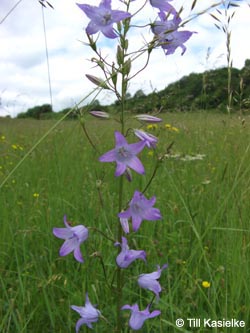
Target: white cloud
{"points": [[23, 67]]}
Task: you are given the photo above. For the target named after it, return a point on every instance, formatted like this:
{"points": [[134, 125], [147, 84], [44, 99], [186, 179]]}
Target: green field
{"points": [[202, 188]]}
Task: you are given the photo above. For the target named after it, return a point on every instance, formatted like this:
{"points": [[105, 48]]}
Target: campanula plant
{"points": [[115, 20]]}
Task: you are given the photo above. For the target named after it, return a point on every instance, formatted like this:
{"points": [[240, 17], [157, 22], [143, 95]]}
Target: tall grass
{"points": [[204, 235]]}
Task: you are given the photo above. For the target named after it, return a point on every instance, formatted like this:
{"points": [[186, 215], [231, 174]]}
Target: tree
{"points": [[36, 112]]}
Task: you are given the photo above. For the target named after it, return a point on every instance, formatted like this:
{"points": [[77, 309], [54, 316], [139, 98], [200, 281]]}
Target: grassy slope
{"points": [[204, 234]]}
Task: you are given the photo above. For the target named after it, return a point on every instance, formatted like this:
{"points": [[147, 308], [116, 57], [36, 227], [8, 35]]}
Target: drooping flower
{"points": [[163, 5], [73, 236], [124, 155], [167, 34], [138, 317], [149, 139], [102, 18], [89, 314], [150, 281], [127, 256], [140, 209]]}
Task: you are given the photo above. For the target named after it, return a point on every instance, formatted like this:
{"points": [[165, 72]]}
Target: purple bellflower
{"points": [[140, 209], [73, 236], [89, 314], [102, 18], [163, 5], [149, 139], [124, 155], [138, 317], [168, 36], [127, 256], [150, 281]]}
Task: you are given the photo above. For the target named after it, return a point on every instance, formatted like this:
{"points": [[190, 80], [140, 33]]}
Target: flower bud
{"points": [[98, 82], [119, 55], [100, 114], [147, 118], [127, 67]]}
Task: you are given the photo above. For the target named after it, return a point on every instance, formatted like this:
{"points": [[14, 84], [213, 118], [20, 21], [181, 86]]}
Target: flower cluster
{"points": [[115, 24], [166, 29], [140, 208]]}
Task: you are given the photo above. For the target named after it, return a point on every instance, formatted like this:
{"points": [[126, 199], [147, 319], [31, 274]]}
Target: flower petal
{"points": [[62, 233], [136, 222], [120, 169], [120, 140], [110, 156], [152, 214], [79, 323], [108, 31], [68, 246], [125, 215], [136, 164], [78, 255], [137, 147]]}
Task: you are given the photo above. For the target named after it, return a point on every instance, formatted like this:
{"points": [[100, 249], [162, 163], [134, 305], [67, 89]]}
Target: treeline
{"points": [[203, 91]]}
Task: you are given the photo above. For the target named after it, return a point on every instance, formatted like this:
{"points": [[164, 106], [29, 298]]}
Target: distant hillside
{"points": [[205, 91]]}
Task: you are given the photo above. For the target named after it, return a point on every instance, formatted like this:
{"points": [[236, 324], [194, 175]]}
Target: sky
{"points": [[24, 79]]}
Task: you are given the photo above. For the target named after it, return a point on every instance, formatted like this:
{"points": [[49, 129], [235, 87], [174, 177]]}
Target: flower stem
{"points": [[120, 198], [119, 279]]}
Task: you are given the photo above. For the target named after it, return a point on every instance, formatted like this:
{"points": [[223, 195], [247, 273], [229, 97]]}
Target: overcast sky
{"points": [[23, 66]]}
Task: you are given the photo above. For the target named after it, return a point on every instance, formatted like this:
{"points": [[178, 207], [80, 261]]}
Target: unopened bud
{"points": [[125, 225], [98, 82], [100, 114], [147, 118]]}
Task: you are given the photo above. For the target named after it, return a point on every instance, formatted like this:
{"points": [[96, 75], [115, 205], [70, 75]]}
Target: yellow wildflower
{"points": [[36, 195], [2, 137], [14, 147], [175, 129], [152, 126], [168, 126], [206, 284]]}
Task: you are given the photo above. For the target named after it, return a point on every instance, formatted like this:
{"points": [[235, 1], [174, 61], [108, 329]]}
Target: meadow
{"points": [[203, 190]]}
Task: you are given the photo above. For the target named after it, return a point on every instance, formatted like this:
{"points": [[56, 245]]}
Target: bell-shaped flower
{"points": [[73, 236], [138, 317], [150, 281], [127, 256], [149, 139], [102, 18], [167, 34], [124, 155], [140, 209], [89, 314]]}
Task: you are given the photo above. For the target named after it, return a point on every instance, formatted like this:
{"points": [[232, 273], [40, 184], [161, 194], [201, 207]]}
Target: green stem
{"points": [[119, 280], [120, 203]]}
